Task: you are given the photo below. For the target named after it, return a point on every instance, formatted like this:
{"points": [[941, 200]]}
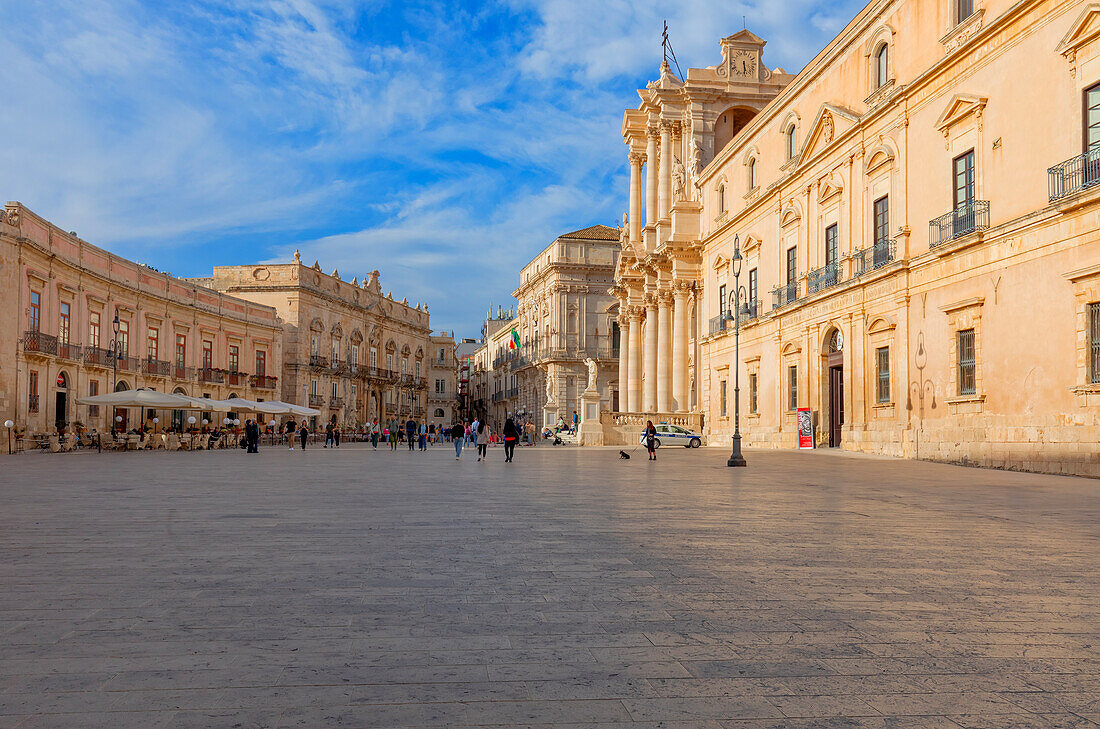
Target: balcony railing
{"points": [[965, 219], [877, 255], [316, 401], [181, 372], [207, 374], [822, 278], [718, 323], [97, 356], [1073, 175], [155, 367], [336, 402], [785, 294], [263, 382], [749, 311], [32, 403], [316, 360], [36, 341], [236, 379], [66, 350]]}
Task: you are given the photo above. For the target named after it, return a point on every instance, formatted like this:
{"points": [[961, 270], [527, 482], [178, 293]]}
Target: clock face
{"points": [[743, 64]]}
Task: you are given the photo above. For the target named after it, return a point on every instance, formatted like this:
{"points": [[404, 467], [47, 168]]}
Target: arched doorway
{"points": [[833, 355], [120, 419], [61, 402], [178, 415]]}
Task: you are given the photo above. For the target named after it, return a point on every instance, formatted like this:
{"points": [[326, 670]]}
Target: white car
{"points": [[675, 435]]}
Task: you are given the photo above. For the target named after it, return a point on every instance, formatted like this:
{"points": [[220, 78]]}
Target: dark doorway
{"points": [[61, 418], [836, 402]]}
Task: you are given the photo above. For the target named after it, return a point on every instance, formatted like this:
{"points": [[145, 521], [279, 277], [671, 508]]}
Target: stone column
{"points": [[653, 164], [664, 345], [652, 324], [664, 188], [634, 365], [625, 332], [680, 395], [636, 161]]}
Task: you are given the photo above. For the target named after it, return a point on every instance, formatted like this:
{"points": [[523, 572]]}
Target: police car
{"points": [[674, 435]]}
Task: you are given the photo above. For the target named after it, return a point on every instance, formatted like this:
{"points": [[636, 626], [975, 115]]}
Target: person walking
{"points": [[391, 437], [374, 435], [457, 436], [303, 434], [511, 435], [288, 429], [482, 441], [410, 432], [252, 435], [329, 438], [336, 435], [651, 440], [423, 442]]}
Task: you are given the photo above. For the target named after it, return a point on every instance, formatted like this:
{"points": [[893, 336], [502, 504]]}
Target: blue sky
{"points": [[443, 143]]}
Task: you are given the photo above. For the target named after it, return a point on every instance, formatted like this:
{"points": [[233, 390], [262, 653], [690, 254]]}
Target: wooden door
{"points": [[836, 404]]}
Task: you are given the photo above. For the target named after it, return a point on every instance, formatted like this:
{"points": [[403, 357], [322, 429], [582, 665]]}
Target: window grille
{"points": [[1094, 343], [966, 362], [792, 387], [882, 357]]}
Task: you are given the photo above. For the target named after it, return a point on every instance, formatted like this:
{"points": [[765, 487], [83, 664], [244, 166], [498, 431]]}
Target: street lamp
{"points": [[9, 425], [116, 349], [736, 459], [191, 427]]}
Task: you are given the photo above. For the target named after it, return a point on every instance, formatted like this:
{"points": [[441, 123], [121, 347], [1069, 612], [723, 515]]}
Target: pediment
{"points": [[829, 187], [959, 108], [831, 122], [752, 242], [1085, 29], [720, 262], [744, 36]]}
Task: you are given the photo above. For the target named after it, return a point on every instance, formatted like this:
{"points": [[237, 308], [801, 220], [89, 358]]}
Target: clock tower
{"points": [[741, 54]]}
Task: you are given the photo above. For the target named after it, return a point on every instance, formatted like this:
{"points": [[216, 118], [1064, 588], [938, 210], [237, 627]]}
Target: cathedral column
{"points": [[651, 327], [682, 294], [636, 161], [664, 345], [652, 165], [634, 372], [625, 331], [664, 187]]}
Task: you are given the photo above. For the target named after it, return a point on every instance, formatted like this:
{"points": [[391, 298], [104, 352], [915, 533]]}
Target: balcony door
{"points": [[963, 193], [1092, 135]]}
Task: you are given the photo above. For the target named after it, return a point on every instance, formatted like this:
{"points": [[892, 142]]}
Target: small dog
{"points": [[623, 455]]}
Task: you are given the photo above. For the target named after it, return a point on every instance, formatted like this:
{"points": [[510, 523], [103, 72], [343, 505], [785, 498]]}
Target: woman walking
{"points": [[303, 434], [457, 433], [511, 435], [651, 440], [482, 441]]}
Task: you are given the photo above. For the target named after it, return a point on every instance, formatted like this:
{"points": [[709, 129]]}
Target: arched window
{"points": [[791, 151], [882, 65], [439, 412], [752, 173], [721, 199]]}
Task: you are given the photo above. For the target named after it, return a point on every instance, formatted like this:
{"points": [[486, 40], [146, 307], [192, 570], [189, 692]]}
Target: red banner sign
{"points": [[805, 428]]}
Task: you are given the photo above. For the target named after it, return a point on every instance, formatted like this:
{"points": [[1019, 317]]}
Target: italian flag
{"points": [[514, 342]]}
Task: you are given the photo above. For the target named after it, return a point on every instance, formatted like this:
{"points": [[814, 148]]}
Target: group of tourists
{"points": [[480, 435]]}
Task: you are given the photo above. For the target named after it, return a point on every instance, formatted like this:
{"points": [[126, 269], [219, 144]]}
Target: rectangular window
{"points": [[63, 324], [966, 362], [354, 354], [792, 387], [36, 312], [404, 365], [93, 390], [792, 264], [373, 357], [882, 219], [314, 346], [964, 180], [334, 390], [207, 354], [153, 343], [181, 350], [754, 400], [234, 358], [261, 363], [722, 300], [1094, 343], [440, 386], [335, 350], [882, 367], [832, 245], [963, 10], [93, 329], [124, 338], [753, 287], [32, 392], [389, 362], [722, 397], [313, 388]]}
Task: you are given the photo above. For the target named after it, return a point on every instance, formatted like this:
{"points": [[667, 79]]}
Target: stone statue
{"points": [[591, 373], [297, 256], [626, 220], [549, 387], [696, 163], [679, 180]]}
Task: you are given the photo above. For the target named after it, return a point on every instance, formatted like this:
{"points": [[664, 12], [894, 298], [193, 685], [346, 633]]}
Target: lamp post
{"points": [[116, 349], [191, 423], [9, 425], [736, 459]]}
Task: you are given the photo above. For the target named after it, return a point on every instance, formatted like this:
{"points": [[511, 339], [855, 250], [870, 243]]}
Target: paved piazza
{"points": [[570, 589]]}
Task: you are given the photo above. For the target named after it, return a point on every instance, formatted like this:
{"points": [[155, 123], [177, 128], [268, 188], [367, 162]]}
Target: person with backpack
{"points": [[482, 441], [511, 436]]}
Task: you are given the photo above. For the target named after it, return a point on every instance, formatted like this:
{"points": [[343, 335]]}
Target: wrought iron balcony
{"points": [[822, 278], [36, 341], [32, 403], [236, 379], [316, 360], [749, 311], [718, 323], [1073, 175], [263, 382], [877, 255], [66, 350], [316, 401], [209, 374], [963, 220], [785, 294], [182, 372], [336, 402], [155, 367]]}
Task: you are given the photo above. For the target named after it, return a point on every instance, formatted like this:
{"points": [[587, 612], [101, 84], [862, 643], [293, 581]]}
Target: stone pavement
{"points": [[569, 589]]}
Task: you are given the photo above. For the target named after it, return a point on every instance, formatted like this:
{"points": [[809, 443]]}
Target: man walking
{"points": [[423, 436], [410, 432], [289, 430]]}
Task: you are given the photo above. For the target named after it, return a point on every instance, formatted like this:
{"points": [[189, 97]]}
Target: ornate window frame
{"points": [[963, 315], [1086, 290]]}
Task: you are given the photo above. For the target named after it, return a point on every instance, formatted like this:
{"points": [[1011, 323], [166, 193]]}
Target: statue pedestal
{"points": [[550, 414], [591, 429]]}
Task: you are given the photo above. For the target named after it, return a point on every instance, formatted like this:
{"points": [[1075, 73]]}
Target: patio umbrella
{"points": [[138, 399]]}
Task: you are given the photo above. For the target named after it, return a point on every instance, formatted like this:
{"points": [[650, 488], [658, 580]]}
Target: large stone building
{"points": [[914, 220], [350, 349], [83, 322], [442, 380]]}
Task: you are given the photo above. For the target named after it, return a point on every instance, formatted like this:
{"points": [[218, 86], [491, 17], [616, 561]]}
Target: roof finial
{"points": [[666, 46]]}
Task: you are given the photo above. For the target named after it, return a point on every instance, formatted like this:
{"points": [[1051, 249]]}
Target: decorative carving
{"points": [[12, 216], [636, 158], [695, 155], [827, 127], [652, 132], [679, 180]]}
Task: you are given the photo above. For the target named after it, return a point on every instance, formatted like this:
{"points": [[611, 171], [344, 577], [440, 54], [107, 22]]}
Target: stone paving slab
{"points": [[354, 588]]}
